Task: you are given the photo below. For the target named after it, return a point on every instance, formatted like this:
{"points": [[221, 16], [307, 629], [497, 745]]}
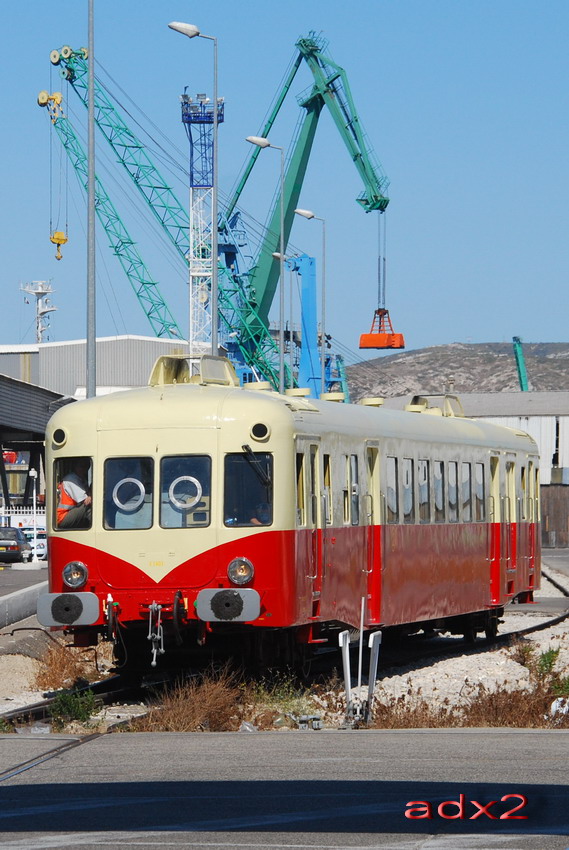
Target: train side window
{"points": [[523, 481], [354, 490], [128, 492], [466, 490], [248, 489], [439, 489], [185, 489], [480, 492], [346, 490], [300, 493], [408, 491], [424, 491], [453, 491], [328, 502], [73, 478], [392, 490]]}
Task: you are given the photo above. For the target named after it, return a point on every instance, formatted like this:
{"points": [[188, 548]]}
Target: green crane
{"points": [[146, 289], [236, 311], [520, 364], [330, 89]]}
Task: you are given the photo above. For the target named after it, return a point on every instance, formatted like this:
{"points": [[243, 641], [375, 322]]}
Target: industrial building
{"points": [[36, 379]]}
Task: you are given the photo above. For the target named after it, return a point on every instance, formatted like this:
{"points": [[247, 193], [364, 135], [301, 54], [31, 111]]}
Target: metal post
{"points": [[323, 310], [344, 642], [282, 283], [374, 646], [214, 205], [34, 476], [91, 343], [361, 643]]}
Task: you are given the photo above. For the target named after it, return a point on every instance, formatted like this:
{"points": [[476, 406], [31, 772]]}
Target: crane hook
{"points": [[58, 238]]}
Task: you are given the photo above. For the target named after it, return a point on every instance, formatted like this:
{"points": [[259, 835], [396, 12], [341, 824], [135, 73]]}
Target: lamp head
{"points": [[259, 141], [186, 29], [305, 213]]}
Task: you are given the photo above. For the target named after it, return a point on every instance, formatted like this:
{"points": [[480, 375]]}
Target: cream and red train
{"points": [[221, 512]]}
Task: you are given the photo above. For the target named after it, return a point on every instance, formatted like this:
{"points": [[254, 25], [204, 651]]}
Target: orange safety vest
{"points": [[65, 502]]}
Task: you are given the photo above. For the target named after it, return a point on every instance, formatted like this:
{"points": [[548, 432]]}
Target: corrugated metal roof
{"points": [[25, 409]]}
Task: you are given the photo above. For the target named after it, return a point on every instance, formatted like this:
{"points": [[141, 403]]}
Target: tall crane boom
{"points": [[520, 364], [236, 312], [330, 89], [145, 288]]}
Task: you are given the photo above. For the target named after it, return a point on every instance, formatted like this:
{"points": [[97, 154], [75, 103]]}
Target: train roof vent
{"points": [[185, 369], [259, 386], [332, 397], [449, 405], [298, 392], [371, 401]]}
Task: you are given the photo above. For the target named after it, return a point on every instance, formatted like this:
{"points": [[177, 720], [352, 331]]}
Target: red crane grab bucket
{"points": [[381, 334]]}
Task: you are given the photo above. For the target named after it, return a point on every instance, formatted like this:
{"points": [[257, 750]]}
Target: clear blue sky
{"points": [[465, 104]]}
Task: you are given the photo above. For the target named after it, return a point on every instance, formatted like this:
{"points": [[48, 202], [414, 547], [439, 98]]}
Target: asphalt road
{"points": [[290, 790]]}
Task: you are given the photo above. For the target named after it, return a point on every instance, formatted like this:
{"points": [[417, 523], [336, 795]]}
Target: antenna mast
{"points": [[40, 289]]}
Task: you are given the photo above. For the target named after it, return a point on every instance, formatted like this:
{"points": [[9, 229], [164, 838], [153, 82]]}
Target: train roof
{"points": [[211, 406]]}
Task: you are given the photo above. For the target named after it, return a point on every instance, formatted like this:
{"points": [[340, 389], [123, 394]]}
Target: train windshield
{"points": [[128, 492], [185, 486], [73, 477], [248, 489]]}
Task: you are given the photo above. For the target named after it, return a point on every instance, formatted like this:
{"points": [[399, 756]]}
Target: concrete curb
{"points": [[20, 604]]}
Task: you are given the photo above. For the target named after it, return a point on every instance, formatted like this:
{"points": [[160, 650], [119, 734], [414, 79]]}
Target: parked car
{"points": [[40, 551], [14, 546]]}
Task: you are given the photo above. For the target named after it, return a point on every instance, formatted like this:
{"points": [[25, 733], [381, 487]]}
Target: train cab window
{"points": [[424, 491], [439, 489], [479, 492], [466, 491], [185, 489], [248, 489], [453, 491], [408, 491], [128, 492], [73, 478], [392, 490]]}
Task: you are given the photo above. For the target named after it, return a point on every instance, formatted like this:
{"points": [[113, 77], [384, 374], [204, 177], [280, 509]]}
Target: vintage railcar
{"points": [[223, 513]]}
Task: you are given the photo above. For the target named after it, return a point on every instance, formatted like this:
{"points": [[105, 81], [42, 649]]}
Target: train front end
{"points": [[188, 534]]}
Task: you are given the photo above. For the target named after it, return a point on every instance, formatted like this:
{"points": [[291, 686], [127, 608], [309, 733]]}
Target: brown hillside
{"points": [[479, 367]]}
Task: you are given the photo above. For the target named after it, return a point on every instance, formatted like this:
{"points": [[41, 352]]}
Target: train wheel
{"points": [[469, 635], [491, 630]]}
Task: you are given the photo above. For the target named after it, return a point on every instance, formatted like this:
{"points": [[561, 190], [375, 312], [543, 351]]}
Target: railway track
{"points": [[415, 651]]}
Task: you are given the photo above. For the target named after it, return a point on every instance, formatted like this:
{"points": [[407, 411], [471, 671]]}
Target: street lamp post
{"points": [[34, 476], [192, 31], [309, 214], [264, 143]]}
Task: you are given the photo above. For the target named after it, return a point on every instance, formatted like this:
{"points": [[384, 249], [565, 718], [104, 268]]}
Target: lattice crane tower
{"points": [[198, 119]]}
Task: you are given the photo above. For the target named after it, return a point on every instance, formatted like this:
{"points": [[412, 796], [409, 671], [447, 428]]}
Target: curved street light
{"points": [[261, 142]]}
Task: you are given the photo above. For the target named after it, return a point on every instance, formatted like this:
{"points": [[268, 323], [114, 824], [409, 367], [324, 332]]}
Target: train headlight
{"points": [[240, 571], [75, 574]]}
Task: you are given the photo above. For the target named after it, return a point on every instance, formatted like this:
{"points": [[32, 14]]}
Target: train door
{"points": [[311, 512], [497, 535], [510, 549], [372, 519]]}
